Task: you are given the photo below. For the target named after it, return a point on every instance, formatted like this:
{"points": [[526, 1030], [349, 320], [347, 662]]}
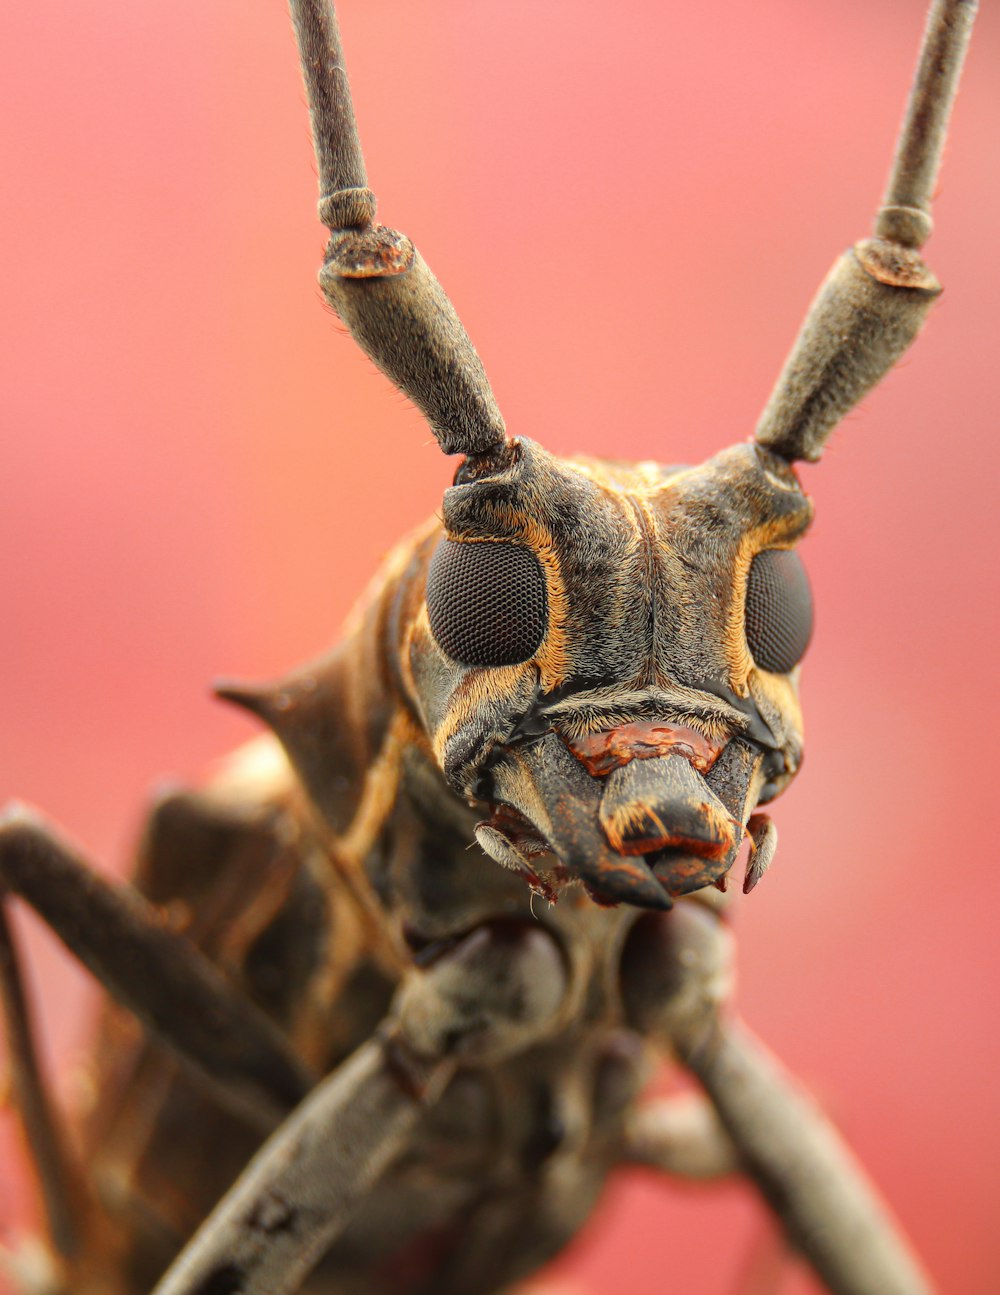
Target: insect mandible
{"points": [[422, 241]]}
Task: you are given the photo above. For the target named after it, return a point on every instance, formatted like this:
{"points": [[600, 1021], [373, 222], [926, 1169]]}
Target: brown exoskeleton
{"points": [[616, 725]]}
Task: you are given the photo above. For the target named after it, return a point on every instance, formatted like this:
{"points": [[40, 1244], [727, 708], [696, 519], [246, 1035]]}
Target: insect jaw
{"points": [[639, 814]]}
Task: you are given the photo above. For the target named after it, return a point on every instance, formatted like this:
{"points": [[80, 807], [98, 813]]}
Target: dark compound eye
{"points": [[779, 611], [486, 602]]}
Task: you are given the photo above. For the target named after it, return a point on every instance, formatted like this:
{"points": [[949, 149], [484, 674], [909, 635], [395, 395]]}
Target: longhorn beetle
{"points": [[683, 853]]}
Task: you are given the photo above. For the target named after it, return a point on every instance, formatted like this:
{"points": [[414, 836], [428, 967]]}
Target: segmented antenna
{"points": [[875, 299], [373, 277]]}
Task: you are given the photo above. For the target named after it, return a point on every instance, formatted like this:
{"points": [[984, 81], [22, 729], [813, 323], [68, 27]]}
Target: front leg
{"points": [[497, 992], [675, 982]]}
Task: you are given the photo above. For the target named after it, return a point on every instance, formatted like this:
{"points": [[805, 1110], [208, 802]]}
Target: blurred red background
{"points": [[631, 207]]}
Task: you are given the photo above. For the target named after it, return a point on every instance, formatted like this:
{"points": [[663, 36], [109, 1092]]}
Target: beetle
{"points": [[845, 437]]}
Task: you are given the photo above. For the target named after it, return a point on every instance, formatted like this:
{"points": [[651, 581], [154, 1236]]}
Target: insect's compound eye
{"points": [[486, 602], [779, 610]]}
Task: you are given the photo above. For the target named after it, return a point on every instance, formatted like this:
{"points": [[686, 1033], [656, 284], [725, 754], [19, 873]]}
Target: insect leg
{"points": [[684, 1136], [307, 1180], [496, 993], [373, 277], [675, 983], [156, 973], [681, 1135], [874, 300], [803, 1168], [58, 1175]]}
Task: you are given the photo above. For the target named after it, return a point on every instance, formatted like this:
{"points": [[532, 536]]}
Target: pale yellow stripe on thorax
{"points": [[349, 850]]}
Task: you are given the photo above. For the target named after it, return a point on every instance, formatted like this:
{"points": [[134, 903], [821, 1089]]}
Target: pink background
{"points": [[631, 206]]}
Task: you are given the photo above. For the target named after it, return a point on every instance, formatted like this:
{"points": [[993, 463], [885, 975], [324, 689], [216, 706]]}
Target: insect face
{"points": [[607, 659]]}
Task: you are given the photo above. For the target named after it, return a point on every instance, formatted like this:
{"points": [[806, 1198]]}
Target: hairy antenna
{"points": [[874, 301], [373, 276]]}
